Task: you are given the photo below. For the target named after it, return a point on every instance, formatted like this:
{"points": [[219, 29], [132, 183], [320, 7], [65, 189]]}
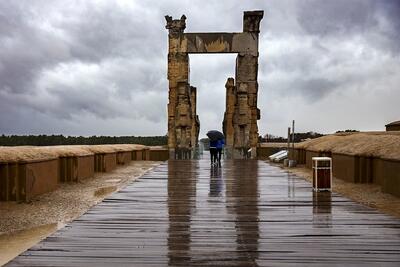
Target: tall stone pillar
{"points": [[247, 113], [178, 73], [195, 118], [228, 116]]}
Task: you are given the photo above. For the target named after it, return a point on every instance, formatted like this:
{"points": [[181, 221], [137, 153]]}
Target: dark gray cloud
{"points": [[339, 17], [376, 21], [99, 67]]}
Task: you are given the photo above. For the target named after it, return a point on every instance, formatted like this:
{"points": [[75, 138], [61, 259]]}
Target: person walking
{"points": [[219, 146], [213, 151], [215, 136]]}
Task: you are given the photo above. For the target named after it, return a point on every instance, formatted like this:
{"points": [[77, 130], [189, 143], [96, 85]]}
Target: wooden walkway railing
{"points": [[247, 213]]}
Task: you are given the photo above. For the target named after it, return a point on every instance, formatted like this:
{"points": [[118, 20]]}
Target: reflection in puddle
{"points": [[291, 191], [235, 187], [322, 209], [12, 244], [291, 185], [242, 189], [181, 197], [216, 182]]}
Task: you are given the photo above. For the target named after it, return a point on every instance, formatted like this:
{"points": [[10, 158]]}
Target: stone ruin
{"points": [[241, 114]]}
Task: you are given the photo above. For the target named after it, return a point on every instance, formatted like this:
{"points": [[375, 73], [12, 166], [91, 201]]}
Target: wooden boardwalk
{"points": [[247, 213]]}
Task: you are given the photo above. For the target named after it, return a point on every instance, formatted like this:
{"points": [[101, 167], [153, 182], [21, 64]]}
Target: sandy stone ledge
{"points": [[24, 224], [366, 194]]}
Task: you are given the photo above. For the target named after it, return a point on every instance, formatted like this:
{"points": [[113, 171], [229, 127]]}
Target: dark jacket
{"points": [[220, 144], [213, 144]]}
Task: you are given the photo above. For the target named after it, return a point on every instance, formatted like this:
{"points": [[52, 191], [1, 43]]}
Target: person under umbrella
{"points": [[214, 136], [213, 151], [220, 146]]}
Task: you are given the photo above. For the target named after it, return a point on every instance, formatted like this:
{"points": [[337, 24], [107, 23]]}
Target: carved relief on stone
{"points": [[241, 114], [175, 26], [195, 118], [182, 137], [183, 116], [183, 108], [227, 126], [251, 21]]}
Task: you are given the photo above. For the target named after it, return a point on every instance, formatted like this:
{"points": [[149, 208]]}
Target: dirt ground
{"points": [[24, 224], [367, 194]]}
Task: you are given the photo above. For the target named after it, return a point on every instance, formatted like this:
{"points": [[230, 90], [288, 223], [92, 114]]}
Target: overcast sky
{"points": [[99, 67]]}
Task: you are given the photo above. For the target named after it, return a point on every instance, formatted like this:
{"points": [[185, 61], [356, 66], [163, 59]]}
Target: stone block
{"points": [[124, 157], [105, 162], [251, 20], [21, 181], [76, 168], [246, 68]]}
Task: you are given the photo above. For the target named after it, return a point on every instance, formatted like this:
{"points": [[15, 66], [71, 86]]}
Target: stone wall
{"points": [[22, 180], [357, 169]]}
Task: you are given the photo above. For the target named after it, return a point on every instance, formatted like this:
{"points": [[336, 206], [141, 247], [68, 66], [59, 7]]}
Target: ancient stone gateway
{"points": [[241, 114]]}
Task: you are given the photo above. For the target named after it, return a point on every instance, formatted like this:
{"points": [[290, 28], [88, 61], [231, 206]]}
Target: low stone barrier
{"points": [[74, 162], [358, 168], [20, 181], [386, 173], [76, 168], [28, 171], [357, 158], [141, 154], [345, 167], [107, 157], [124, 157], [158, 153], [105, 162], [299, 154]]}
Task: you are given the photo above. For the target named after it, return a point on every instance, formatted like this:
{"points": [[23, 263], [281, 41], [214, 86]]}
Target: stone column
{"points": [[247, 114], [178, 72], [183, 121], [195, 118], [228, 116]]}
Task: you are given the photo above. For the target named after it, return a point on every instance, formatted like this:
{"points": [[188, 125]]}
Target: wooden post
{"points": [[288, 140], [293, 140]]}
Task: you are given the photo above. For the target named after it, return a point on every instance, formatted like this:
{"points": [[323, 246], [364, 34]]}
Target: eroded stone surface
{"points": [[241, 115]]}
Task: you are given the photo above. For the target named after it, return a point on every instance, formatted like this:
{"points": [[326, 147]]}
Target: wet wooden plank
{"points": [[247, 213]]}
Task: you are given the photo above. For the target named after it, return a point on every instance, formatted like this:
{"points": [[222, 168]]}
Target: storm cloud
{"points": [[99, 67]]}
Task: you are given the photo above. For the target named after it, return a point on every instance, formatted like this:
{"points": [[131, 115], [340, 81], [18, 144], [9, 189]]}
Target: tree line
{"points": [[298, 137], [51, 140]]}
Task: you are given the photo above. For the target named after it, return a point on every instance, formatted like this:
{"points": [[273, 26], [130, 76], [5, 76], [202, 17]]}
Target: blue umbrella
{"points": [[215, 135]]}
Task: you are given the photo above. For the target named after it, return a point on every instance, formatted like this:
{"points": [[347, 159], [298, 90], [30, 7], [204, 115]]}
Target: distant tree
{"points": [[348, 131], [49, 140], [298, 137], [273, 139]]}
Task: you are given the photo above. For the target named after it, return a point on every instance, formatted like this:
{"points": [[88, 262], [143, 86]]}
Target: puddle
{"points": [[113, 180], [104, 191], [14, 243]]}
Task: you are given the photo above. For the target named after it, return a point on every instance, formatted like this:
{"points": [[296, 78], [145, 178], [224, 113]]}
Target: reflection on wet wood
{"points": [[247, 213]]}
